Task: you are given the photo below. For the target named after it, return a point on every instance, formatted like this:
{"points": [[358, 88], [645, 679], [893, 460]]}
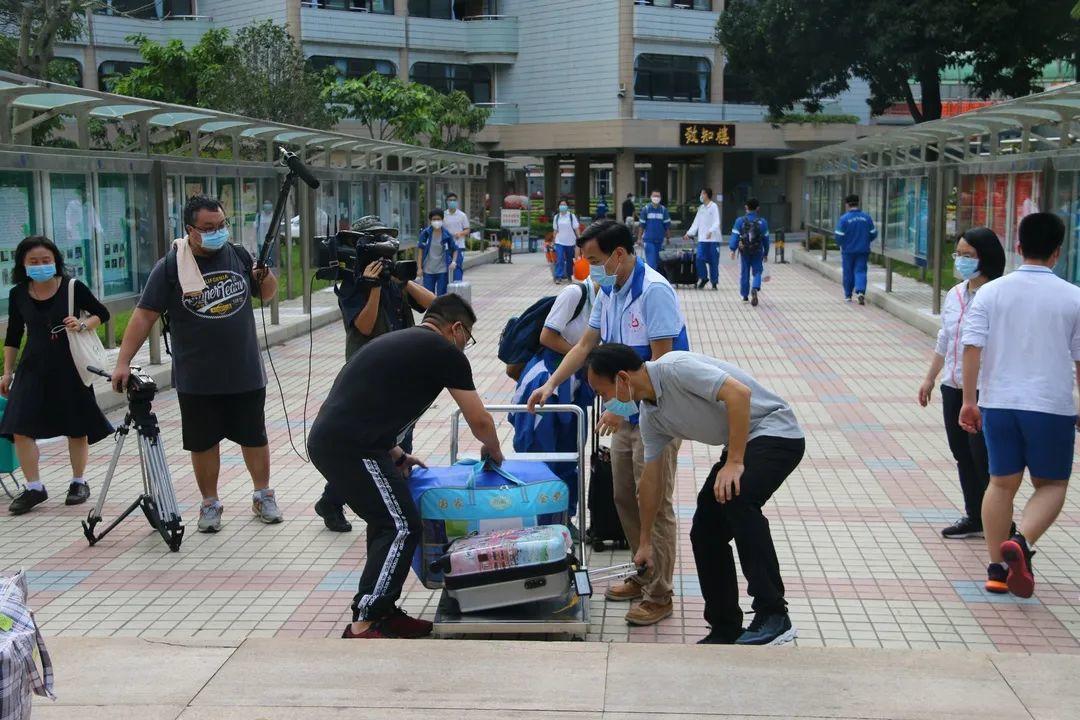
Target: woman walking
{"points": [[979, 258], [46, 396]]}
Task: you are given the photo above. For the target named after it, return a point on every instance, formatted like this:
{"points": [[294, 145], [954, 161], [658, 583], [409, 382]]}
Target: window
{"points": [[147, 9], [379, 7], [736, 88], [348, 68], [452, 9], [108, 70], [672, 77], [679, 4], [473, 80]]}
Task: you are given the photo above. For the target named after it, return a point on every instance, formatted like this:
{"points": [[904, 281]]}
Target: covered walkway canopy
{"points": [[925, 183], [109, 183]]}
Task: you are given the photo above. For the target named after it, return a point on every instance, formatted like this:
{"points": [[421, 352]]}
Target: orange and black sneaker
{"points": [[1021, 579], [996, 577]]}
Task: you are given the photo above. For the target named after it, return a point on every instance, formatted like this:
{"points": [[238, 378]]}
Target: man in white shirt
{"points": [[565, 227], [1022, 351], [456, 223], [706, 229]]}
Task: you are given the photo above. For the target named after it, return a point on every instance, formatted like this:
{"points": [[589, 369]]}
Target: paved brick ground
{"points": [[856, 527]]}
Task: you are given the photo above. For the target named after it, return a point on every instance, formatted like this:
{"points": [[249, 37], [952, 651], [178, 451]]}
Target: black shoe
{"points": [[753, 298], [78, 493], [701, 284], [768, 629], [965, 527], [333, 516], [718, 638], [25, 501], [862, 299], [714, 286], [746, 299]]}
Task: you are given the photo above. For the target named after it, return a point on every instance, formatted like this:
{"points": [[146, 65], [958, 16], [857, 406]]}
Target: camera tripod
{"points": [[158, 499]]}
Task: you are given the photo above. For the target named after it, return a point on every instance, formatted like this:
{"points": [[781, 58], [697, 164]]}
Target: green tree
{"points": [[456, 120], [31, 28], [174, 73], [388, 108], [804, 51]]}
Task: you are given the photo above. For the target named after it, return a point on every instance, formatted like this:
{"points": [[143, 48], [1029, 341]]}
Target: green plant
{"points": [[812, 119]]}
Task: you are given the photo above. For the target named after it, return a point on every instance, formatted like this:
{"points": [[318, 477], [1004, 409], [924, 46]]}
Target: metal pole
{"points": [[938, 232], [888, 274], [307, 235], [158, 214], [288, 254]]}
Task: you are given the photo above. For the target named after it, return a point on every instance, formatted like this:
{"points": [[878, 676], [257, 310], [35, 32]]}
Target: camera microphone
{"points": [[299, 168]]}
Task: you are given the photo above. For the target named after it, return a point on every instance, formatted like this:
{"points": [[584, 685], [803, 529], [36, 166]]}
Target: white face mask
{"points": [[437, 224], [655, 199]]}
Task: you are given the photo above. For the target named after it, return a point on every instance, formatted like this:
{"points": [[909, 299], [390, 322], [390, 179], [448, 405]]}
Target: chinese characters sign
{"points": [[707, 134]]}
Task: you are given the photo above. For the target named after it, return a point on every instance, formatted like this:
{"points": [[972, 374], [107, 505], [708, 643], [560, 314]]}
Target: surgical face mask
{"points": [[966, 267], [215, 240], [267, 207], [600, 276], [655, 199], [452, 204], [563, 208], [625, 409], [41, 273], [703, 198], [436, 224]]}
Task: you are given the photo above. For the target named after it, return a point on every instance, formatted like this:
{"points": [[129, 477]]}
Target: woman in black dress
{"points": [[46, 396]]}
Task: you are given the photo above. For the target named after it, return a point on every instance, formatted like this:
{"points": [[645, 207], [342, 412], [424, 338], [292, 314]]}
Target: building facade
{"points": [[615, 96]]}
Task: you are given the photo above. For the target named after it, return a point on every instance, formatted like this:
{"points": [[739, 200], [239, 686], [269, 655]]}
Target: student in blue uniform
{"points": [[601, 209], [855, 233], [742, 234], [438, 260], [655, 224]]}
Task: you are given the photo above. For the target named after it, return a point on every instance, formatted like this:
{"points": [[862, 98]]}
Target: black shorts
{"points": [[209, 419]]}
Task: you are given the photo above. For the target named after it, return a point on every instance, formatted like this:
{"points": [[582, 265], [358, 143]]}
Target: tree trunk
{"points": [[930, 82], [913, 107]]}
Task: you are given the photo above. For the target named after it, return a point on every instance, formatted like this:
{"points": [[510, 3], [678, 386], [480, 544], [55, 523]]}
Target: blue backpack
{"points": [[520, 338]]}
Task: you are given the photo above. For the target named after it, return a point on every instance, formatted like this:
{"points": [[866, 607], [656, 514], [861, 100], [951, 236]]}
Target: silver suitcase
{"points": [[462, 288]]}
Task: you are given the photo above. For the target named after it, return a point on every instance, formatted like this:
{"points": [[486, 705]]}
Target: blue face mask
{"points": [[451, 204], [41, 273], [967, 267], [599, 275], [215, 240], [625, 409], [563, 208]]}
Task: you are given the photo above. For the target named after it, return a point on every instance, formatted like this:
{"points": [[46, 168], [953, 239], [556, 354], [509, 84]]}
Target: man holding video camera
{"points": [[371, 305], [355, 443], [204, 286]]}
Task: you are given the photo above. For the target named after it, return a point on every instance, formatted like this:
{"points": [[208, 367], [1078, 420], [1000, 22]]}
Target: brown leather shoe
{"points": [[629, 590], [648, 612]]}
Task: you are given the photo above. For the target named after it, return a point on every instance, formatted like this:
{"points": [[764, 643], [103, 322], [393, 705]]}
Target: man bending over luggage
{"points": [[354, 442], [687, 396]]}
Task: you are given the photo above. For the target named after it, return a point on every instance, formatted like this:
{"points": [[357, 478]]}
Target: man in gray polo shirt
{"points": [[687, 396]]}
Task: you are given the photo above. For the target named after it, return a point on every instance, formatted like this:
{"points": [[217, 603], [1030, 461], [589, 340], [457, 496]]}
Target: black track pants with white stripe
{"points": [[374, 489]]}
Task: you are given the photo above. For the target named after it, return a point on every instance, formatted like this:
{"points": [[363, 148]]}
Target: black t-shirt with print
{"points": [[215, 349], [384, 389]]}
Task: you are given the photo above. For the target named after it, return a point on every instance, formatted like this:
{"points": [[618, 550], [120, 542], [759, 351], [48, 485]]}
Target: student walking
{"points": [[655, 228], [750, 238], [855, 233], [565, 224], [1022, 352], [706, 229], [979, 258]]}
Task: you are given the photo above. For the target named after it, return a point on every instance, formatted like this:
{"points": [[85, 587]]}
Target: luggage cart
{"points": [[568, 615]]}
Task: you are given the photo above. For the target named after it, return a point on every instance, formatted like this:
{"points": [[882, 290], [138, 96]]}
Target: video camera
{"points": [[349, 252]]}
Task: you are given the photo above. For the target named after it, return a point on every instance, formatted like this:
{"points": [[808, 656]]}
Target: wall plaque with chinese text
{"points": [[706, 135]]}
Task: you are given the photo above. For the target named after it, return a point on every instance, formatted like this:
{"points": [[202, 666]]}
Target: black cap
{"points": [[373, 225]]}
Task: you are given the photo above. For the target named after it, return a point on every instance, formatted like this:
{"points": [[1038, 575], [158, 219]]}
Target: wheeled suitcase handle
{"points": [[584, 578]]}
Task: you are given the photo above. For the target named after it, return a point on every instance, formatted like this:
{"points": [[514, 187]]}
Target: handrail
{"points": [[488, 17], [825, 241], [495, 104]]}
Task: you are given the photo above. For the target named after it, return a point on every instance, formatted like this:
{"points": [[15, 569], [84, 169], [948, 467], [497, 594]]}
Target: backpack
{"points": [[520, 338], [172, 275], [750, 237]]}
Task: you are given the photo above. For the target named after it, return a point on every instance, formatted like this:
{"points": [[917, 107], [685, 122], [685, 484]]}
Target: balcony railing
{"points": [[502, 113]]}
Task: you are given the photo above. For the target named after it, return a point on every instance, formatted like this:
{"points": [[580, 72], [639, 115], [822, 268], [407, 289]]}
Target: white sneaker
{"points": [[264, 505], [210, 518]]}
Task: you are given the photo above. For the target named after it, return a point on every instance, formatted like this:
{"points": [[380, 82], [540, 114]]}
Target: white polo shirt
{"points": [[566, 228], [706, 227], [561, 316], [1028, 325], [455, 221]]}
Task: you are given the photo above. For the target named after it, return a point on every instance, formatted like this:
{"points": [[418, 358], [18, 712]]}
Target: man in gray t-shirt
{"points": [[687, 396], [217, 367]]}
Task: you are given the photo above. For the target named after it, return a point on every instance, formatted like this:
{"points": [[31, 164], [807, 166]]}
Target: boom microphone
{"points": [[298, 167]]}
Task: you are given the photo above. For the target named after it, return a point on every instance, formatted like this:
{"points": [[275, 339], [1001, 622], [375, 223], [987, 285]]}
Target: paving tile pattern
{"points": [[856, 527]]}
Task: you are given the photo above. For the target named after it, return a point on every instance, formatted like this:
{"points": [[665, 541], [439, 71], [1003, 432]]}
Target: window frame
{"points": [[450, 79], [673, 78]]}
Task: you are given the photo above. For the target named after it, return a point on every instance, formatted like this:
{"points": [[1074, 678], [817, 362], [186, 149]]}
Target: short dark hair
{"points": [[18, 273], [707, 191], [608, 235], [851, 199], [629, 194], [610, 359], [655, 191], [1041, 234], [450, 309], [196, 203], [990, 250], [451, 195], [435, 211], [752, 204]]}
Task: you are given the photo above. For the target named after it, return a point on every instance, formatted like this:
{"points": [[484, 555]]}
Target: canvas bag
{"points": [[19, 637], [86, 348]]}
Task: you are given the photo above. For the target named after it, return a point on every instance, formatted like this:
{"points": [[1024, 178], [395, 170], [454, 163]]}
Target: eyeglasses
{"points": [[222, 226], [469, 339]]}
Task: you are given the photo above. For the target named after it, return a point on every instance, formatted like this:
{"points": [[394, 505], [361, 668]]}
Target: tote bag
{"points": [[86, 347]]}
